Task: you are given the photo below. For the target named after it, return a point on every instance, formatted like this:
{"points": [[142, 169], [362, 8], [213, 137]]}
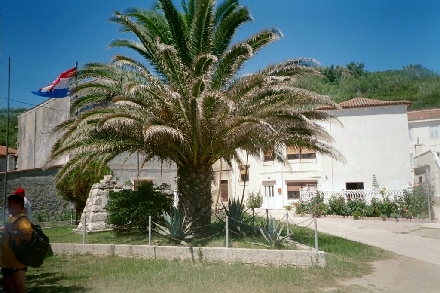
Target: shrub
{"points": [[357, 215], [303, 207], [414, 204], [128, 210], [75, 186], [337, 206], [254, 200], [320, 209], [374, 209], [389, 207], [358, 206], [315, 206]]}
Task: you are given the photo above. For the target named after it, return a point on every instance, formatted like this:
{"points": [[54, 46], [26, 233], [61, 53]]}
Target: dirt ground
{"points": [[399, 274]]}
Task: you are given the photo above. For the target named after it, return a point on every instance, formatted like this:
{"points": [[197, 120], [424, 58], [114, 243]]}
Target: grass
{"points": [[87, 273]]}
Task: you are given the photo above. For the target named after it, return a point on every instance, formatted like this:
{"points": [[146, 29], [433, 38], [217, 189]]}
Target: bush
{"points": [[414, 204], [128, 210], [337, 206], [315, 206], [303, 207], [374, 209], [254, 200], [357, 206], [389, 207], [75, 186]]}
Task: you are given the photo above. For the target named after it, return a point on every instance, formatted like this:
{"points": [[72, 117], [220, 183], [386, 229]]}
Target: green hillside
{"points": [[413, 83], [13, 123]]}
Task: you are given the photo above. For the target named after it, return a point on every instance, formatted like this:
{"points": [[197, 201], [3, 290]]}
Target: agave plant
{"points": [[236, 212], [176, 227], [272, 233]]}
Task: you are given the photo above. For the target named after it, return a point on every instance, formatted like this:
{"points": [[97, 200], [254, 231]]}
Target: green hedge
{"points": [[412, 204]]}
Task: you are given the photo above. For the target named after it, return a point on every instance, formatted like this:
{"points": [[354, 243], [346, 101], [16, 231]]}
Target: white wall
{"points": [[35, 138], [420, 140], [373, 140]]}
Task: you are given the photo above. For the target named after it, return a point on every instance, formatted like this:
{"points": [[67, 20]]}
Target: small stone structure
{"points": [[94, 212], [298, 258]]}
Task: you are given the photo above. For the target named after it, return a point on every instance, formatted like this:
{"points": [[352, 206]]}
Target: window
{"points": [[244, 173], [224, 190], [411, 157], [268, 190], [433, 131], [294, 187], [294, 153], [308, 154], [410, 133], [268, 155], [354, 185]]}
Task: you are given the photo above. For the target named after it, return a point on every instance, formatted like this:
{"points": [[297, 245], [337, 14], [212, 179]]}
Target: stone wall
{"points": [[94, 213], [40, 190], [298, 258]]}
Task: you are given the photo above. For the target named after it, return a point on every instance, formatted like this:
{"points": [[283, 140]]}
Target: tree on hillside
{"points": [[185, 102], [75, 186], [412, 83], [13, 123]]}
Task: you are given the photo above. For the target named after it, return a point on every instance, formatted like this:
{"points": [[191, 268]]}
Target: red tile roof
{"points": [[424, 114], [363, 102], [10, 151]]}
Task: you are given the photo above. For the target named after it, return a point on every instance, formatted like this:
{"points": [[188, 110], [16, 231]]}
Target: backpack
{"points": [[32, 253]]}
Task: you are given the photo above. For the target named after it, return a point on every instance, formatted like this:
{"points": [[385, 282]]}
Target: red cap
{"points": [[19, 191]]}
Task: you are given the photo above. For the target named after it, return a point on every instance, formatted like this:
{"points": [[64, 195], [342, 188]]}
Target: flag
{"points": [[60, 87]]}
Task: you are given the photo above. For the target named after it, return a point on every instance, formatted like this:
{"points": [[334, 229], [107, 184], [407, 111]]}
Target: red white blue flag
{"points": [[60, 87]]}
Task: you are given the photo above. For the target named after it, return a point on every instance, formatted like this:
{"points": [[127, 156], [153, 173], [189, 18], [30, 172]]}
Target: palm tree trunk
{"points": [[195, 198], [219, 191]]}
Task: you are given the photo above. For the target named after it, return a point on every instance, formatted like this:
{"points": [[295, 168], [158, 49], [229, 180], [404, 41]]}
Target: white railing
{"points": [[367, 194]]}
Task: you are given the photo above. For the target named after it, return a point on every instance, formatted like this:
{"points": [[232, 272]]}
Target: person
{"points": [[27, 203], [17, 229]]}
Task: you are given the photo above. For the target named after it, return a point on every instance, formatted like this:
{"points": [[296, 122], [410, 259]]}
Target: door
{"points": [[269, 199]]}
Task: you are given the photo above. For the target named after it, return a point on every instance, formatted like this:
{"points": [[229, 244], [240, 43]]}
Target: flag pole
{"points": [[76, 78], [7, 142]]}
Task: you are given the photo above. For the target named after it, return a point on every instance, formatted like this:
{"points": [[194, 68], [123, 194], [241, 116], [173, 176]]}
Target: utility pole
{"points": [[429, 196]]}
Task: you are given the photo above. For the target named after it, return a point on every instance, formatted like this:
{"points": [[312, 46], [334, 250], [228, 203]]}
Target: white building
{"points": [[373, 139], [36, 138], [424, 146]]}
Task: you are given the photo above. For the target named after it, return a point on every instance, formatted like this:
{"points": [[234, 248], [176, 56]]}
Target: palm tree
{"points": [[186, 102]]}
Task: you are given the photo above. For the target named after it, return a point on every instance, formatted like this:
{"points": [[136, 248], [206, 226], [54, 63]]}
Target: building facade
{"points": [[424, 147], [372, 136], [36, 138], [8, 161]]}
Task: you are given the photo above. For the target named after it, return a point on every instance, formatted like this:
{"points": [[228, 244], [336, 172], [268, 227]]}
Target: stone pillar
{"points": [[94, 211]]}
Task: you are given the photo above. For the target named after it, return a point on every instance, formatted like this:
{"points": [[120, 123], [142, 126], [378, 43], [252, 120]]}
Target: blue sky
{"points": [[45, 38]]}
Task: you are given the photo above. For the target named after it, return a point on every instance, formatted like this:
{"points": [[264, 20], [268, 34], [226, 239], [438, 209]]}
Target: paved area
{"points": [[416, 239]]}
